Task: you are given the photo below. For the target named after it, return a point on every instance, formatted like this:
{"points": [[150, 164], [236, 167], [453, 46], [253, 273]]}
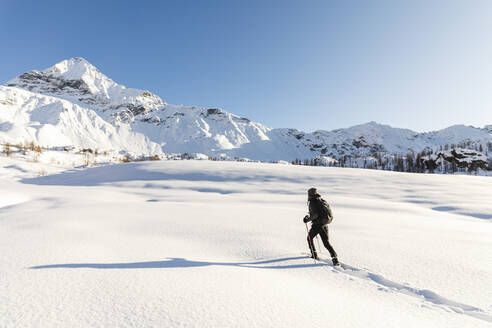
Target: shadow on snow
{"points": [[172, 263], [424, 294], [456, 210], [182, 263], [139, 172]]}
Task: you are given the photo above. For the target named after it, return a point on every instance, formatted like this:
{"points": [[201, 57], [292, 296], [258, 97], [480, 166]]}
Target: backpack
{"points": [[325, 211]]}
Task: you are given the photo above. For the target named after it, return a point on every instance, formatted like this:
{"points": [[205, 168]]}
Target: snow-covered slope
{"points": [[176, 128], [369, 138], [211, 131], [48, 121], [79, 81], [222, 244]]}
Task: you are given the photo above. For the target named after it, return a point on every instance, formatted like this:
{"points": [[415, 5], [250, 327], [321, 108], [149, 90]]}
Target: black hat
{"points": [[313, 192]]}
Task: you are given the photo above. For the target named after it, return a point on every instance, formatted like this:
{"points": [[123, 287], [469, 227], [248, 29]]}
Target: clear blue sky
{"points": [[419, 64]]}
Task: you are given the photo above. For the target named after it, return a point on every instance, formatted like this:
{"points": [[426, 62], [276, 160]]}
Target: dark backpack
{"points": [[325, 211]]}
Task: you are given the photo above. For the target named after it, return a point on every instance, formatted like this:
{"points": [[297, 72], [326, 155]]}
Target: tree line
{"points": [[465, 157]]}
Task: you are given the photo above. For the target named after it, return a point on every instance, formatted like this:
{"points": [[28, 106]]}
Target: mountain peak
{"points": [[372, 125], [77, 69], [76, 79]]}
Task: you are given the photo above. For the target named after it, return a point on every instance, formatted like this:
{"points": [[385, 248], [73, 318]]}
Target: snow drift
{"points": [[222, 244]]}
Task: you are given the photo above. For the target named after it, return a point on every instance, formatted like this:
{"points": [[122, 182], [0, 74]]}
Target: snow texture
{"points": [[222, 244]]}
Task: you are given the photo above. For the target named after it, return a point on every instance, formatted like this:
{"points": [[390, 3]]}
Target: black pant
{"points": [[322, 230]]}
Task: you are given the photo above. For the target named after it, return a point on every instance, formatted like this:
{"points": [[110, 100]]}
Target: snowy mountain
{"points": [[78, 81], [370, 138], [73, 104], [49, 121]]}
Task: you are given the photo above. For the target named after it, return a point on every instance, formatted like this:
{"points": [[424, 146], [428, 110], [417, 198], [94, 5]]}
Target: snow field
{"points": [[219, 244]]}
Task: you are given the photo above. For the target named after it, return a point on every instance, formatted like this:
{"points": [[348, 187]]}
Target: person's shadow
{"points": [[172, 263]]}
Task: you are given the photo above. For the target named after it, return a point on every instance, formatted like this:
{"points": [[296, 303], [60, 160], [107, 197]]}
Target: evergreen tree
{"points": [[410, 162]]}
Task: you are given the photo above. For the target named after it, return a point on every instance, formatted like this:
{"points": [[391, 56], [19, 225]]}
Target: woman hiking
{"points": [[320, 215]]}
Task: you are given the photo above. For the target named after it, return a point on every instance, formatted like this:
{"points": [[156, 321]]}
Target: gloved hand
{"points": [[306, 219]]}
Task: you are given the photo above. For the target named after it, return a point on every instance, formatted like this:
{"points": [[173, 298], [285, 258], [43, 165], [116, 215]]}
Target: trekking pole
{"points": [[310, 241]]}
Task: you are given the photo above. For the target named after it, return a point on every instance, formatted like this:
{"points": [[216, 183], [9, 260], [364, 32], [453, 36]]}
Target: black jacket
{"points": [[316, 213]]}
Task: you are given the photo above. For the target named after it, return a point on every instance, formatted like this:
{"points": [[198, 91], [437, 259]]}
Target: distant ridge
{"points": [[73, 103]]}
